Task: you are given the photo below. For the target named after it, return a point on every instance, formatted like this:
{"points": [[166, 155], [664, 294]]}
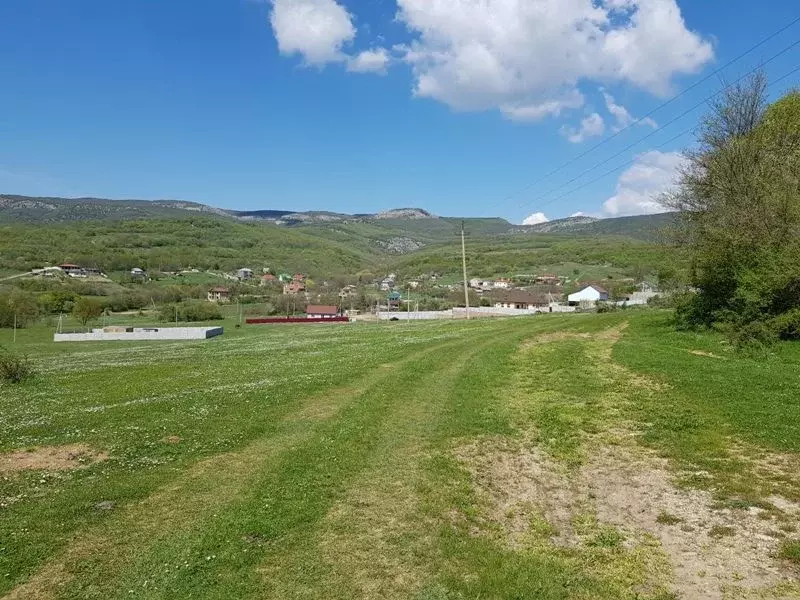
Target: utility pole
{"points": [[408, 301], [464, 264], [15, 328]]}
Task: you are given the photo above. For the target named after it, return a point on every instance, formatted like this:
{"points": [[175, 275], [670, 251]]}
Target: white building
{"points": [[590, 294], [502, 284], [244, 274]]}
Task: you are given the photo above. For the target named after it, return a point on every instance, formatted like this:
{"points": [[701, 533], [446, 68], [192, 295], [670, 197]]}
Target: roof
{"points": [[321, 309], [600, 289], [220, 290], [69, 266], [522, 297]]}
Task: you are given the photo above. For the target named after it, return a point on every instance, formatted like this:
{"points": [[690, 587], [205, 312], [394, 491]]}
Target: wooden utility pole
{"points": [[408, 301], [464, 264]]}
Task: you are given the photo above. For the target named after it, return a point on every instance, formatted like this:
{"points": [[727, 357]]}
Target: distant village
{"points": [[427, 296]]}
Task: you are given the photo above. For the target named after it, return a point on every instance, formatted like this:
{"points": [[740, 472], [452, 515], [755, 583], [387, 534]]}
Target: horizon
{"points": [[326, 211]]}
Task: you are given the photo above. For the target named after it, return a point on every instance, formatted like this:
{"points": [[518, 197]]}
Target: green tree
{"points": [[17, 307], [740, 209], [86, 309]]}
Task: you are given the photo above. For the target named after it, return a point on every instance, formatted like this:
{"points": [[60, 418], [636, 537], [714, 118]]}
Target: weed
{"points": [[607, 537], [721, 531], [666, 518], [790, 550]]}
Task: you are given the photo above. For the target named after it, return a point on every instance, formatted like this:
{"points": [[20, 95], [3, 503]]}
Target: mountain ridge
{"points": [[54, 209]]}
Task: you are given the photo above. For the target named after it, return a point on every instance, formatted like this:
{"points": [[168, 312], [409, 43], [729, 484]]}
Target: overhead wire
{"points": [[638, 121], [632, 161], [668, 123]]}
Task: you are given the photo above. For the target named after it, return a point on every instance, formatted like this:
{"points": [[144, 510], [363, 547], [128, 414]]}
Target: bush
{"points": [[754, 338], [15, 368], [190, 312], [787, 325]]}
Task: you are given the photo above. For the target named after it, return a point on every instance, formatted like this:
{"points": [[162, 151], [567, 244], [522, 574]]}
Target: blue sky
{"points": [[359, 106]]}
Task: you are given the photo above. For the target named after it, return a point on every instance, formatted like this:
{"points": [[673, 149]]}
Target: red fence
{"points": [[274, 320]]}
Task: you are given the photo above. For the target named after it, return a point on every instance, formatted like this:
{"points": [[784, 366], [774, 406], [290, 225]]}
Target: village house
{"points": [[387, 284], [321, 311], [221, 295], [244, 274], [522, 300], [502, 284], [298, 277], [268, 279], [72, 270], [589, 295], [137, 273], [294, 287], [413, 283], [348, 291]]}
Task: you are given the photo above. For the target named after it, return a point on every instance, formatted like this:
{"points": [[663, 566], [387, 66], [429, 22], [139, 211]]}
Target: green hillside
{"points": [[202, 242], [168, 236]]}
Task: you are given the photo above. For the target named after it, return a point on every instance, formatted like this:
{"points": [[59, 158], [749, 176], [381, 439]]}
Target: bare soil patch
{"points": [[630, 489], [706, 354], [51, 458]]}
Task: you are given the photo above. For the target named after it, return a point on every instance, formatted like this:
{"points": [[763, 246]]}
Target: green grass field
{"points": [[577, 456]]}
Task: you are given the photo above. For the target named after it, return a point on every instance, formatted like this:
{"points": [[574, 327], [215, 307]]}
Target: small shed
{"points": [[244, 274]]}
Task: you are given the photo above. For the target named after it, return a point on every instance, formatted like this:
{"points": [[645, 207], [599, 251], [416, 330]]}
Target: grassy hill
{"points": [[170, 235], [171, 244]]}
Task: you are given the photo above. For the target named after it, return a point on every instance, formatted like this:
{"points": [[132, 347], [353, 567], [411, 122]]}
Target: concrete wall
{"points": [[475, 311], [142, 334]]}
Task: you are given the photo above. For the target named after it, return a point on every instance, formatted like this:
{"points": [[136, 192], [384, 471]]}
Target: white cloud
{"points": [[520, 55], [591, 126], [536, 219], [550, 108], [623, 116], [369, 61], [639, 188], [315, 29], [577, 214]]}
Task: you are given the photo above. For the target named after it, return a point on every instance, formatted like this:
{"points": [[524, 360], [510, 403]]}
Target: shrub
{"points": [[754, 338], [787, 325], [190, 312], [15, 368], [606, 307]]}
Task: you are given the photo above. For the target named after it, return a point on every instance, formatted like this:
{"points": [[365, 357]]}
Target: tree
{"points": [[86, 309], [739, 199], [17, 307]]}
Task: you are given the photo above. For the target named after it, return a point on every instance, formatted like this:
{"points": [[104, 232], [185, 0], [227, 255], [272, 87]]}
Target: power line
{"points": [[652, 112], [668, 123], [630, 162]]}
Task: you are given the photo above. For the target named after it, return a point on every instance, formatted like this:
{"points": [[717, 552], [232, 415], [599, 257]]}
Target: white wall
{"points": [[140, 335]]}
